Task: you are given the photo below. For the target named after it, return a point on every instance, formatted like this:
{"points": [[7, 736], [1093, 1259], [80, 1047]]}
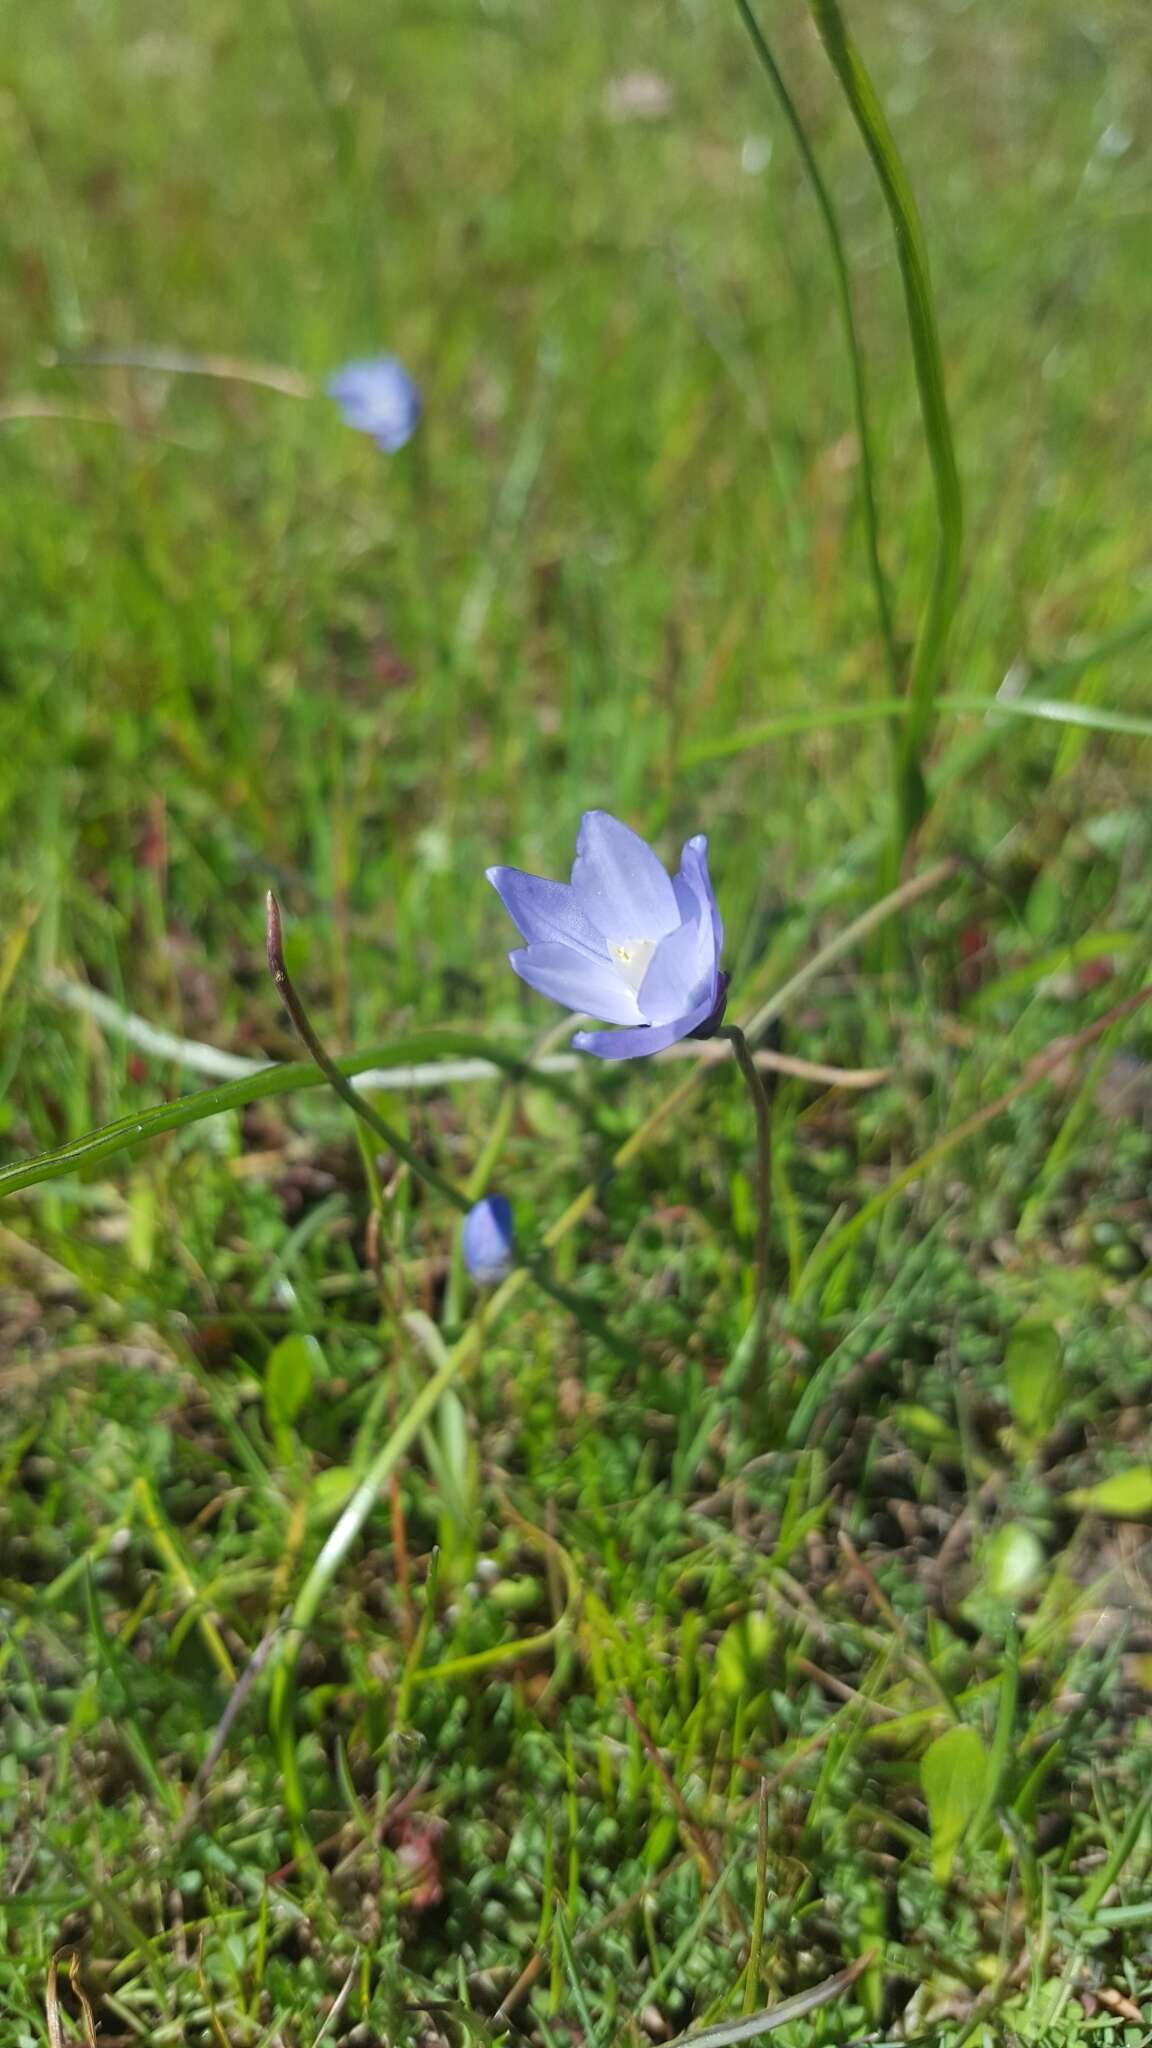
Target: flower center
{"points": [[630, 959]]}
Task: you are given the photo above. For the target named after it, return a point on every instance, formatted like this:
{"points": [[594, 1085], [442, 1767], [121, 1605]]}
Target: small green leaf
{"points": [[742, 1655], [915, 1421], [1013, 1560], [1126, 1493], [288, 1378], [1033, 1369], [1045, 910], [330, 1491], [661, 1842], [522, 1594], [953, 1775]]}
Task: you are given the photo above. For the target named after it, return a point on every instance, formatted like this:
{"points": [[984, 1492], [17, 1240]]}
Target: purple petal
{"points": [[694, 871], [543, 910], [650, 1038], [619, 883], [487, 1239], [571, 978], [378, 397], [680, 974]]}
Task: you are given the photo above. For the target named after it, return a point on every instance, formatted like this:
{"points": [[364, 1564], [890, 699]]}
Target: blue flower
{"points": [[487, 1240], [378, 397], [622, 941]]}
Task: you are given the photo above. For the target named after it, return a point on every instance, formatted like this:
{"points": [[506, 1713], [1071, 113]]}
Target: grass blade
{"points": [[1096, 717], [752, 1974], [1095, 1893], [750, 2029], [927, 658], [284, 1078], [1051, 710], [1003, 1735], [855, 355]]}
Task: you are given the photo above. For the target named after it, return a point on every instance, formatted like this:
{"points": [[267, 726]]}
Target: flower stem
{"points": [[286, 990], [533, 1265], [762, 1107]]}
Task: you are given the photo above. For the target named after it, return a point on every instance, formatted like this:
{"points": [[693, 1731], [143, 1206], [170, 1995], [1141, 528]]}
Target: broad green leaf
{"points": [[1033, 1369], [1125, 1493], [953, 1775], [288, 1378]]}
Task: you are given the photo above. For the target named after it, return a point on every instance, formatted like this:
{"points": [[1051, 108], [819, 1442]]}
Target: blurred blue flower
{"points": [[622, 941], [378, 397], [487, 1240]]}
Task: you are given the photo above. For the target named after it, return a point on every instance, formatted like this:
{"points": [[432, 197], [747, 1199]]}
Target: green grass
{"points": [[628, 1676]]}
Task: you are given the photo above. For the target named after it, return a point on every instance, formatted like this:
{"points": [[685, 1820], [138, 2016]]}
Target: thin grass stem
{"points": [[827, 212], [338, 1080], [927, 658]]}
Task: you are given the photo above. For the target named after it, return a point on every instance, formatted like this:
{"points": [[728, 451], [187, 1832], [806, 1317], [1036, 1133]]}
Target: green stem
{"points": [[912, 253], [762, 1109], [338, 1080], [358, 1103], [855, 355]]}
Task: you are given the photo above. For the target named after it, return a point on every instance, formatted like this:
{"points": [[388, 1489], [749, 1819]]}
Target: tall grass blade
{"points": [[1048, 710], [927, 658], [827, 211], [126, 1132]]}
